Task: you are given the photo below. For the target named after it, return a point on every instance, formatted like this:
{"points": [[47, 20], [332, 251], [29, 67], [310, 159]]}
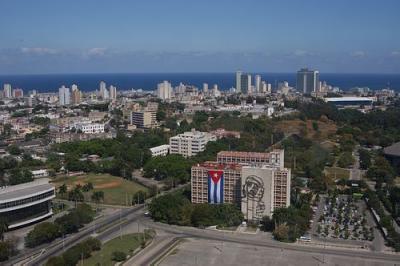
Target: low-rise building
{"points": [[161, 150], [90, 128], [40, 173], [26, 203]]}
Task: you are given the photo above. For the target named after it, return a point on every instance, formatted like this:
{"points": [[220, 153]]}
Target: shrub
{"points": [[42, 233], [118, 256]]}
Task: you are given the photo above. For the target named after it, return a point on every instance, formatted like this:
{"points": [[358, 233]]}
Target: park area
{"points": [[117, 191], [117, 248]]}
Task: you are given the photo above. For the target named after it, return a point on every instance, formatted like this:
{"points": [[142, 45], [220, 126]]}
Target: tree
{"points": [[62, 190], [3, 227], [346, 159], [281, 233], [98, 196], [14, 150], [19, 176], [87, 187], [42, 233]]}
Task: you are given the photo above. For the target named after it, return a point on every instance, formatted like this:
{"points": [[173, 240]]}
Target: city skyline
{"points": [[153, 36]]}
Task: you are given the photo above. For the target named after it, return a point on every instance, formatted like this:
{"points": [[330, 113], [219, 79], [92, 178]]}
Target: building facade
{"points": [[64, 96], [161, 150], [190, 143], [26, 203], [164, 90], [275, 158], [307, 80], [90, 128], [255, 182], [142, 119]]}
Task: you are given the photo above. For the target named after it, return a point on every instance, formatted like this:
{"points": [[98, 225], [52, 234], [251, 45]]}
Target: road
{"points": [[55, 248], [262, 241]]}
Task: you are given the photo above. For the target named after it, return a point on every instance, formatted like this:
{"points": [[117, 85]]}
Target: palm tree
{"points": [[98, 196], [3, 227], [62, 190]]}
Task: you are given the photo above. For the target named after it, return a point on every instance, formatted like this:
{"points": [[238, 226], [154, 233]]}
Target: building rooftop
{"points": [[26, 189], [349, 99], [393, 150], [220, 166], [245, 154]]}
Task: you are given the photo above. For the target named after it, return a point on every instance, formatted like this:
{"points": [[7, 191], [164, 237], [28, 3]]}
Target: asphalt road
{"points": [[54, 249], [266, 242]]}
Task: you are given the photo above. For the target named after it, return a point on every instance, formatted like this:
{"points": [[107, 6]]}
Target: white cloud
{"points": [[358, 54], [38, 50], [97, 51], [395, 54], [301, 53]]}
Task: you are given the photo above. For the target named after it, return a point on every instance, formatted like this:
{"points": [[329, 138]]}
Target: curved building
{"points": [[26, 203]]}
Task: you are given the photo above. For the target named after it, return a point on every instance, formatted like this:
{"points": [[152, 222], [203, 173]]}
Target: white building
{"points": [[90, 128], [161, 150], [113, 92], [257, 80], [40, 173], [190, 143], [164, 90], [7, 91], [26, 203], [64, 96]]}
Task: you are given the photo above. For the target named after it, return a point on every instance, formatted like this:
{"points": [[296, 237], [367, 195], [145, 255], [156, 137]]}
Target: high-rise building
{"points": [[205, 88], [238, 81], [64, 96], [257, 80], [7, 91], [113, 92], [190, 143], [164, 90], [76, 94], [245, 83], [307, 80], [18, 93]]}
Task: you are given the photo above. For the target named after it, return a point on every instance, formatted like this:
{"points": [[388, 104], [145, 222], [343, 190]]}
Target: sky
{"points": [[127, 36]]}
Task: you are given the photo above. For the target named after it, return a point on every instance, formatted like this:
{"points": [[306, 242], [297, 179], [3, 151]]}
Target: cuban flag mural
{"points": [[215, 186]]}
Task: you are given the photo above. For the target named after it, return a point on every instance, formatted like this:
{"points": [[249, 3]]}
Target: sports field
{"points": [[117, 191]]}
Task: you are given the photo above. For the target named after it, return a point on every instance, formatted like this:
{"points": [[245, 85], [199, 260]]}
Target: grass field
{"points": [[337, 172], [126, 244], [116, 189]]}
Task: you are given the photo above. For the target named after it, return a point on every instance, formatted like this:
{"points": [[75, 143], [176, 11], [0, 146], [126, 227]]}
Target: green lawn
{"points": [[337, 172], [117, 191], [126, 244]]}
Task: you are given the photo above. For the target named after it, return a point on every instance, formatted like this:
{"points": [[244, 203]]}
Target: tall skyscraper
{"points": [[103, 92], [257, 80], [238, 81], [245, 83], [76, 94], [205, 87], [113, 92], [64, 96], [7, 91], [164, 90], [307, 80]]}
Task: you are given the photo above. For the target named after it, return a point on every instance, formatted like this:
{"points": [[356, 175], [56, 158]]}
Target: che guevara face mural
{"points": [[253, 194]]}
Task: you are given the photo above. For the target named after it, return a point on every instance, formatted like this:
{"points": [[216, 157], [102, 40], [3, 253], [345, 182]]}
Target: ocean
{"points": [[149, 81]]}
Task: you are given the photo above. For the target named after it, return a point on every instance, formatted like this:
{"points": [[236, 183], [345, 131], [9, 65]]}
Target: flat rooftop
{"points": [[219, 166], [393, 150], [246, 154], [22, 190], [349, 99]]}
